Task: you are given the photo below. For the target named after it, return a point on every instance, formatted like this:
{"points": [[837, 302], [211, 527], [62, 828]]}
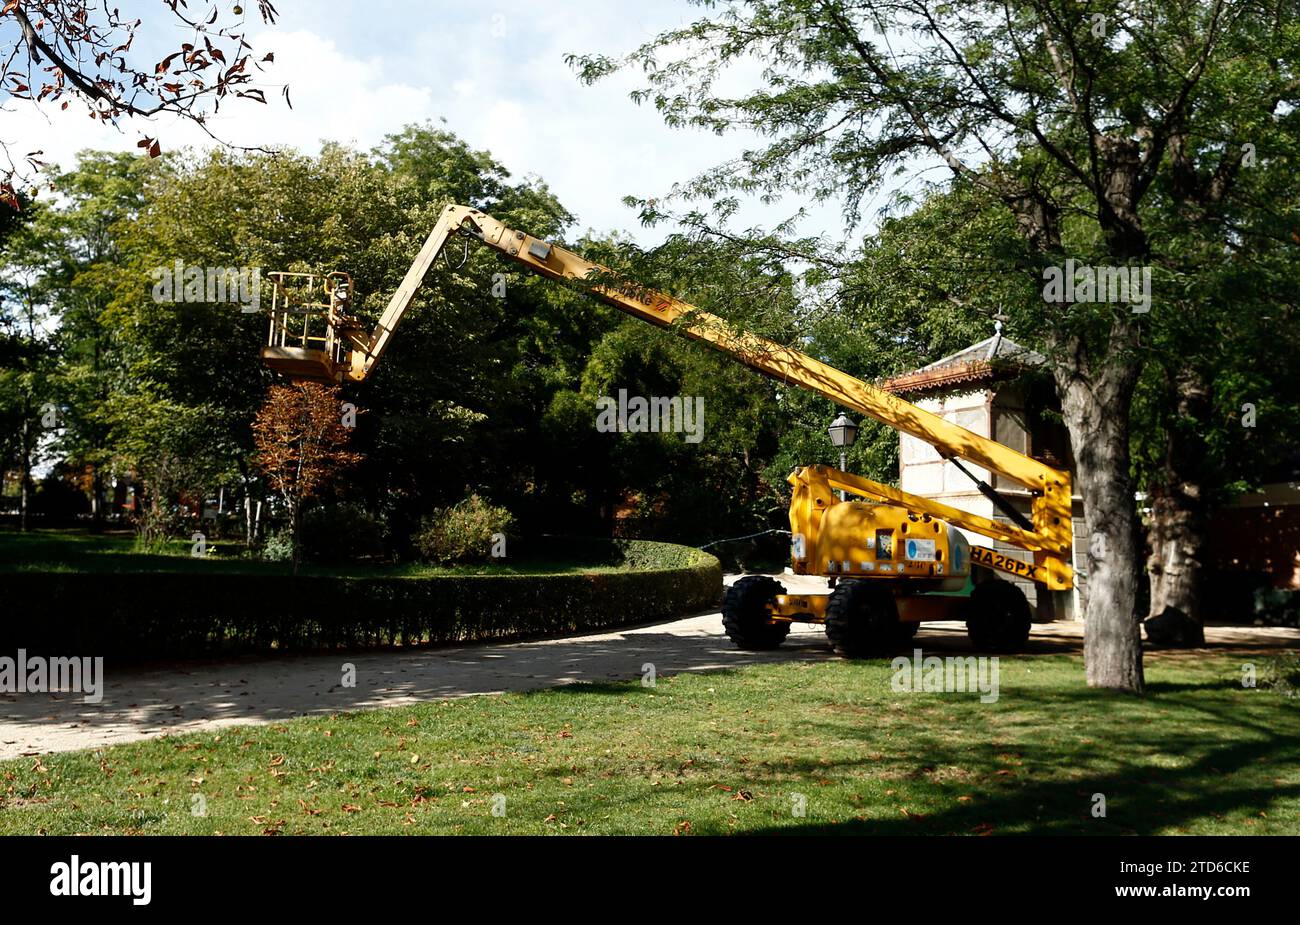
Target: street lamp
{"points": [[843, 433]]}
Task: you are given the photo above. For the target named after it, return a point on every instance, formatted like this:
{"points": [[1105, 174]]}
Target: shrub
{"points": [[1277, 607], [336, 533], [462, 533], [132, 617], [278, 546], [1282, 674]]}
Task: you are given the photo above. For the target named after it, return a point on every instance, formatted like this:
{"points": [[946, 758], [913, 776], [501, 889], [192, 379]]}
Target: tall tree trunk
{"points": [[99, 499], [1176, 553], [1096, 412], [246, 480], [295, 524], [1096, 395], [1179, 519], [96, 498], [25, 475]]}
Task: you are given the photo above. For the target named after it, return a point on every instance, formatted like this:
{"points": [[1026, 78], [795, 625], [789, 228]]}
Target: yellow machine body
{"points": [[865, 539]]}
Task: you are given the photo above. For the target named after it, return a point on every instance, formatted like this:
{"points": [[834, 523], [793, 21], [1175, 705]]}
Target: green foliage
{"points": [[201, 612], [464, 532], [341, 532], [1166, 139], [1282, 674], [1277, 606], [659, 484], [500, 391], [278, 546]]}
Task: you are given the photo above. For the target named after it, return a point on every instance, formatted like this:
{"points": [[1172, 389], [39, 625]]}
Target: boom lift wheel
{"points": [[998, 618], [745, 616], [862, 619], [905, 633]]}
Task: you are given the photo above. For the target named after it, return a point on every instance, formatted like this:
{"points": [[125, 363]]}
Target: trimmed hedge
{"points": [[157, 616]]}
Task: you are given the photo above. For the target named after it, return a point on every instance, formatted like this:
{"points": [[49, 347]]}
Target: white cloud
{"points": [[501, 84], [335, 96]]}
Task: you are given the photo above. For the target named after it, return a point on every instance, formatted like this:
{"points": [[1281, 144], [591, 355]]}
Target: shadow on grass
{"points": [[1184, 687], [1025, 786], [618, 688]]}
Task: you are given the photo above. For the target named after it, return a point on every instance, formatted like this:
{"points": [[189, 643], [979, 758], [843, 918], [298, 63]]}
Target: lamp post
{"points": [[843, 434]]}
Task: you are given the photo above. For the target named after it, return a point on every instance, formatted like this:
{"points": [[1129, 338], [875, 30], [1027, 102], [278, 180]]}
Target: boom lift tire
{"points": [[998, 619], [745, 616], [905, 633], [862, 619]]}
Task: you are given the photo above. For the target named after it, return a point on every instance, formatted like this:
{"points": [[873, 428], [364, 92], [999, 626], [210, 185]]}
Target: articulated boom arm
{"points": [[1051, 534]]}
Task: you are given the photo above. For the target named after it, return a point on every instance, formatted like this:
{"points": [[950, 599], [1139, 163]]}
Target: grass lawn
{"points": [[83, 551], [718, 753]]}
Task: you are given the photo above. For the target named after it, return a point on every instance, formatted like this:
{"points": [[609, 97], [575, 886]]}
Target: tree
{"points": [[1076, 120], [1208, 411], [1215, 409], [83, 252], [61, 49], [27, 357], [175, 453], [718, 484], [302, 446]]}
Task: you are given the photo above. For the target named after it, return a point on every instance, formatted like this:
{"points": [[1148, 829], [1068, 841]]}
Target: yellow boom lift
{"points": [[889, 556]]}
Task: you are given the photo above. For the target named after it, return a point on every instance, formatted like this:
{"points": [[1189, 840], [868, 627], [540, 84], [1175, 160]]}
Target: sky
{"points": [[495, 74]]}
